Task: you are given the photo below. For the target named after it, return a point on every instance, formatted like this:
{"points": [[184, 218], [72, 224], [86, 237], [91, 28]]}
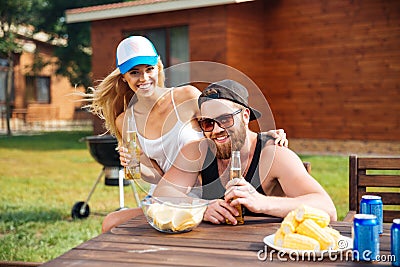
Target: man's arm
{"points": [[298, 185]]}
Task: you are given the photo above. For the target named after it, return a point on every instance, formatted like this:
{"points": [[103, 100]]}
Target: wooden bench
{"points": [[307, 165], [19, 264], [375, 176]]}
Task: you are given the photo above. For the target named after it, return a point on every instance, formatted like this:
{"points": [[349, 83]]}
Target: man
{"points": [[275, 180]]}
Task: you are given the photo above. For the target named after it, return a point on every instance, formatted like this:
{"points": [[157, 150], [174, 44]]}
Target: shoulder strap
{"points": [[252, 175], [265, 137], [131, 121], [173, 103], [211, 184]]}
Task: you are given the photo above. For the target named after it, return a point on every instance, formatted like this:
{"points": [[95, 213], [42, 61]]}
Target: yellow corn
{"points": [[297, 241], [278, 239], [335, 235], [289, 223], [310, 228], [319, 216]]}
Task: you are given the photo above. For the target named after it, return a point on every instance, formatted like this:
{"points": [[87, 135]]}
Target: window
{"points": [[172, 45], [37, 89], [3, 81], [3, 86]]}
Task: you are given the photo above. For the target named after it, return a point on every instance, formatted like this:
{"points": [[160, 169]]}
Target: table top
{"points": [[136, 243]]}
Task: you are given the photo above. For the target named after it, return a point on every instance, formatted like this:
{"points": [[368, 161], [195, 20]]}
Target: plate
{"points": [[344, 243]]}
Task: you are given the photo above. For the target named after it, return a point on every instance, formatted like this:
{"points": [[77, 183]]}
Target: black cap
{"points": [[229, 90]]}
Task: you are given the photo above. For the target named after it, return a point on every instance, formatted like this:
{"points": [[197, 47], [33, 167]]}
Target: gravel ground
{"points": [[346, 147]]}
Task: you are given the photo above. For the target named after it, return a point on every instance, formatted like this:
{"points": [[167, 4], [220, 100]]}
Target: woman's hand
{"points": [[124, 156], [280, 137], [149, 168]]}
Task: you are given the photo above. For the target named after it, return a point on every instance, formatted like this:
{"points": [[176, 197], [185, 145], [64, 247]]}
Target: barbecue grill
{"points": [[103, 150]]}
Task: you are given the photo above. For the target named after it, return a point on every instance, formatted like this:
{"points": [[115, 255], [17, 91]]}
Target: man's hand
{"points": [[242, 192], [218, 210]]}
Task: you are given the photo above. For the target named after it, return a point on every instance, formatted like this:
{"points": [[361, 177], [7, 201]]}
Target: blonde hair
{"points": [[111, 97]]}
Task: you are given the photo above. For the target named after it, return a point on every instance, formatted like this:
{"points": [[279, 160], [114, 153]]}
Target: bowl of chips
{"points": [[174, 214]]}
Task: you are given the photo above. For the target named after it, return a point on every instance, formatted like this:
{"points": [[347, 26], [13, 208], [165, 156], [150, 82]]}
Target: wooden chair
{"points": [[375, 176], [307, 165]]}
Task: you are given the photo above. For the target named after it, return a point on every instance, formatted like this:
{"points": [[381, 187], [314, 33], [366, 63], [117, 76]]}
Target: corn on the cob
{"points": [[279, 236], [289, 223], [310, 228], [319, 216], [297, 241], [335, 235]]}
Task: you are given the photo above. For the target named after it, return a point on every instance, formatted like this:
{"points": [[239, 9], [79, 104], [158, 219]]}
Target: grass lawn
{"points": [[42, 176]]}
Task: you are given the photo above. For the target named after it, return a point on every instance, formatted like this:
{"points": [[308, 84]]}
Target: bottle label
{"points": [[132, 171]]}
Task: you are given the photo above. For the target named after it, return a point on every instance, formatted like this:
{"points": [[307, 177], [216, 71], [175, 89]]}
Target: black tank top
{"points": [[211, 184]]}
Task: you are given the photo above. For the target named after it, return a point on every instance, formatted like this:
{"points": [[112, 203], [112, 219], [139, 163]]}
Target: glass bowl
{"points": [[174, 214]]}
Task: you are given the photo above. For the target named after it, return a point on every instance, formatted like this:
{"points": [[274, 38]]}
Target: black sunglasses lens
{"points": [[226, 121], [207, 125]]}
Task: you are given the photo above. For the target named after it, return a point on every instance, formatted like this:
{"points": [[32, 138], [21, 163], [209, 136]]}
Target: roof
{"points": [[139, 7]]}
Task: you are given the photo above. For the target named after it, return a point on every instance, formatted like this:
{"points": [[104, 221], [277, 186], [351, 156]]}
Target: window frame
{"points": [[167, 36], [35, 89]]}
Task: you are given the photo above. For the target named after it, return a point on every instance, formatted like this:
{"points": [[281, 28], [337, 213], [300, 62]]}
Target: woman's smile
{"points": [[144, 86]]}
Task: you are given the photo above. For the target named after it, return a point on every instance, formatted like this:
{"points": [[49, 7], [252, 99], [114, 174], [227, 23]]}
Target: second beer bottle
{"points": [[236, 172]]}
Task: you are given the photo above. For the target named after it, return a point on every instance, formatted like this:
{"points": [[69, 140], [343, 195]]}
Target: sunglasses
{"points": [[224, 121]]}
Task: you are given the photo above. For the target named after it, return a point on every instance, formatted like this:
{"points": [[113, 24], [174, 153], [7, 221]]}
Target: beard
{"points": [[237, 138]]}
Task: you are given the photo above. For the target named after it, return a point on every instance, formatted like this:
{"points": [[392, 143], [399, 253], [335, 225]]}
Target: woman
{"points": [[163, 117]]}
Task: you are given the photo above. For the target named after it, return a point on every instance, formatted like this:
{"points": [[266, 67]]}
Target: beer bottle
{"points": [[132, 171], [236, 172]]}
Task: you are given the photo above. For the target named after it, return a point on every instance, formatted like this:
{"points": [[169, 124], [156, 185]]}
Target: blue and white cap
{"points": [[135, 50]]}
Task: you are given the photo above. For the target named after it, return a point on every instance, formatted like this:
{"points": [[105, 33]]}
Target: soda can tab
{"points": [[365, 237], [395, 242], [371, 204]]}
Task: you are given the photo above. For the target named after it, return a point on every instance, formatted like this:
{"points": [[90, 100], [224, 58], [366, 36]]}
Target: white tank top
{"points": [[165, 149]]}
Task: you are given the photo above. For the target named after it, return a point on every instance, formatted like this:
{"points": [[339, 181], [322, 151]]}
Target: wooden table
{"points": [[137, 244]]}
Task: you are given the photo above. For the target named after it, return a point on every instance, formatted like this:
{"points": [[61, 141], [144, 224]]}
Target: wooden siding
{"points": [[206, 35], [328, 69], [246, 53], [332, 68]]}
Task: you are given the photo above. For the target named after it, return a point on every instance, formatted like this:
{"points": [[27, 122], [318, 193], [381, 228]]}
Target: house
{"points": [[39, 97], [330, 70]]}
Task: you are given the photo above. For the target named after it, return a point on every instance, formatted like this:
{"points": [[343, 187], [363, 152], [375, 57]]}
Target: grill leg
{"points": [[91, 191], [135, 193], [121, 176]]}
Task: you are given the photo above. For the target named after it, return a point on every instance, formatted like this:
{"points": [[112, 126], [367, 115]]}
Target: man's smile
{"points": [[220, 138]]}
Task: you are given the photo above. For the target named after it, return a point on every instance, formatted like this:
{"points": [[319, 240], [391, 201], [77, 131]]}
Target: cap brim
{"points": [[141, 60], [254, 114]]}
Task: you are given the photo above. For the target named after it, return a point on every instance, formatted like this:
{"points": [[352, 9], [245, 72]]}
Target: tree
{"points": [[12, 14], [47, 16], [74, 60]]}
